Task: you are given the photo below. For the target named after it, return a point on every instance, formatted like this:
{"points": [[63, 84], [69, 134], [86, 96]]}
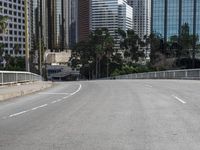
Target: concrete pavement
{"points": [[11, 91], [104, 115]]}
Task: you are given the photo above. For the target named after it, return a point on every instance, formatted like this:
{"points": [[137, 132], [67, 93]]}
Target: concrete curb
{"points": [[19, 92]]}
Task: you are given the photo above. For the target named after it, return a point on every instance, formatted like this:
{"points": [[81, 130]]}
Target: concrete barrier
{"points": [[8, 92]]}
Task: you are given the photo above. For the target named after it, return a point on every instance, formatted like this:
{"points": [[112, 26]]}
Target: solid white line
{"points": [[39, 107], [80, 86], [17, 114], [66, 96], [180, 100], [58, 100]]}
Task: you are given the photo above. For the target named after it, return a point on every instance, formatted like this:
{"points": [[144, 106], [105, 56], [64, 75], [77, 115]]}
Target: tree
{"points": [[3, 29], [131, 43], [184, 45], [16, 49], [185, 40], [3, 24], [154, 39], [93, 55]]}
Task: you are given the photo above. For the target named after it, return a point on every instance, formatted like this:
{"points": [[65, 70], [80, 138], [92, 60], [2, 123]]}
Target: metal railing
{"points": [[188, 74], [12, 77]]}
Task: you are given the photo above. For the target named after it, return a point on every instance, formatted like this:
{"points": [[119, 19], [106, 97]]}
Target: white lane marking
{"points": [[66, 96], [53, 93], [53, 102], [147, 85], [180, 100], [17, 114], [59, 100], [80, 86], [41, 106]]}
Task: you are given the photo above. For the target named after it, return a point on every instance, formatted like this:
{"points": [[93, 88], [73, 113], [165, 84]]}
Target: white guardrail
{"points": [[12, 77], [188, 74]]}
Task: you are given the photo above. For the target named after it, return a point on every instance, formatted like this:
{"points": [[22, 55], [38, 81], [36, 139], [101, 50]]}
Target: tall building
{"points": [[169, 15], [58, 24], [141, 17], [15, 34], [112, 14], [39, 21], [83, 19], [73, 22]]}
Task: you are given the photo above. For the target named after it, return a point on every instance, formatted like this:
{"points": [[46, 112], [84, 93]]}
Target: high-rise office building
{"points": [[169, 15], [112, 14], [15, 35], [39, 23], [83, 19], [73, 22], [141, 17], [58, 24]]}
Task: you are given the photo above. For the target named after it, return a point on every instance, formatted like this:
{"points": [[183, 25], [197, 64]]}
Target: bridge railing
{"points": [[188, 74], [12, 77]]}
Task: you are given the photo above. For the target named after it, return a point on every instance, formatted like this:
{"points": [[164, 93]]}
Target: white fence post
{"points": [[2, 78], [186, 74], [16, 78]]}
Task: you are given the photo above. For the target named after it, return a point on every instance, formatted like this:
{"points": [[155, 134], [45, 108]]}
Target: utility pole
{"points": [[26, 38]]}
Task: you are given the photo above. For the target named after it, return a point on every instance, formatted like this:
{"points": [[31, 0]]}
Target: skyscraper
{"points": [[39, 21], [169, 15], [112, 14], [83, 19], [141, 17], [73, 22], [58, 24]]}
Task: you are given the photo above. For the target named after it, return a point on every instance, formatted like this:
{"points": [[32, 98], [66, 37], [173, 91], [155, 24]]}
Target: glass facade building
{"points": [[169, 15], [111, 14], [57, 24], [73, 22], [38, 14]]}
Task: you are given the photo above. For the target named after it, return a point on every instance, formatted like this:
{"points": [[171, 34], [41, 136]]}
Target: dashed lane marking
{"points": [[45, 105], [179, 99]]}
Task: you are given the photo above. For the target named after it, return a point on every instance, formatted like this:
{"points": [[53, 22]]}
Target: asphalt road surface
{"points": [[104, 115]]}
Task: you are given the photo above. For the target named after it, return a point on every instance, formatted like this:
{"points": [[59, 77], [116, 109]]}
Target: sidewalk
{"points": [[11, 91]]}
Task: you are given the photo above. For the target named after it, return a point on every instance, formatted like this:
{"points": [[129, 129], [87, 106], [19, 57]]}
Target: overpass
{"points": [[104, 115]]}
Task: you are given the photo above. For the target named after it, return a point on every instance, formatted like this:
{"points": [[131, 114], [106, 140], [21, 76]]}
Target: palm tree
{"points": [[3, 29], [3, 24], [16, 49]]}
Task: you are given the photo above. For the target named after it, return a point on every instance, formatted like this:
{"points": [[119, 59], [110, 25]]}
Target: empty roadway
{"points": [[104, 115]]}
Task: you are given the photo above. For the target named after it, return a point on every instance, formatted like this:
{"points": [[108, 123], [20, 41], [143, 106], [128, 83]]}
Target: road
{"points": [[104, 115]]}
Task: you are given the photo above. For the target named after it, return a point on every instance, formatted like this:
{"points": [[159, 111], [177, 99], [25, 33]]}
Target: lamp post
{"points": [[26, 37]]}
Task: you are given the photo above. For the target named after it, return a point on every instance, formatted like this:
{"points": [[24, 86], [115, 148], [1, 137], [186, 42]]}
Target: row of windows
{"points": [[12, 1], [15, 39], [11, 25], [11, 45], [11, 52], [11, 12], [11, 6]]}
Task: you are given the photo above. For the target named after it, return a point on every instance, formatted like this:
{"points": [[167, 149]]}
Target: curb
{"points": [[19, 93]]}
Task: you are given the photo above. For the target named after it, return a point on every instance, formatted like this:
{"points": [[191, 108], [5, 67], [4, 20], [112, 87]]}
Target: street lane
{"points": [[99, 115]]}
